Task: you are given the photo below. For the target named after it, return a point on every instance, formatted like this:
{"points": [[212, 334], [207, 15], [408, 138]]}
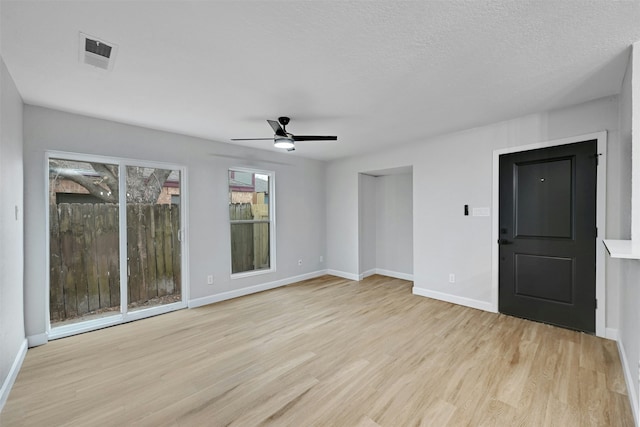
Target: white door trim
{"points": [[601, 210]]}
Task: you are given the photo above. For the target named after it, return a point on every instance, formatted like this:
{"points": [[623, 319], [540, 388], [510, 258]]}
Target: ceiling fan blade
{"points": [[277, 129], [314, 138], [252, 139]]}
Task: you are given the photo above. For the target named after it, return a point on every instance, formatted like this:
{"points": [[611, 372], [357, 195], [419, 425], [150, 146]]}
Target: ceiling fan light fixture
{"points": [[281, 142]]}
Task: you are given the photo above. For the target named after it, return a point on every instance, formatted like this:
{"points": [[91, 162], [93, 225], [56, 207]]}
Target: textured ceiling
{"points": [[377, 74]]}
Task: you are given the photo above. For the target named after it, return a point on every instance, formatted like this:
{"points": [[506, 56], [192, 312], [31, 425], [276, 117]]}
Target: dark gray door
{"points": [[547, 235]]}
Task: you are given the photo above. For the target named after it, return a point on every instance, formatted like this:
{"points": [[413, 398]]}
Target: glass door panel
{"points": [[84, 273], [153, 237]]}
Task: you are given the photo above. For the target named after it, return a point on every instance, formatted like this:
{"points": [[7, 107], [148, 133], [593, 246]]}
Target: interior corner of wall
{"points": [[37, 340]]}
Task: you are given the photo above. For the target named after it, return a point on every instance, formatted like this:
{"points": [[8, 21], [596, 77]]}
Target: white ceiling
{"points": [[377, 74]]}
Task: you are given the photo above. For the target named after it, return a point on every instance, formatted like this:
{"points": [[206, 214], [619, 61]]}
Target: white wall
{"points": [[343, 222], [629, 327], [394, 223], [12, 335], [448, 172], [629, 336], [300, 200], [367, 223]]}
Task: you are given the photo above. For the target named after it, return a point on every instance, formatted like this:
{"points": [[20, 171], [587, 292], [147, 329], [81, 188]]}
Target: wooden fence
{"points": [[84, 260], [249, 241]]}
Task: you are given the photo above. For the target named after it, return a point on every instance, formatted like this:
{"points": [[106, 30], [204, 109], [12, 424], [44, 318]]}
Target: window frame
{"points": [[271, 222], [124, 315]]}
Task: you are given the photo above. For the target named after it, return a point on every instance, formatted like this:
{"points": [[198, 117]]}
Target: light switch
{"points": [[481, 212]]}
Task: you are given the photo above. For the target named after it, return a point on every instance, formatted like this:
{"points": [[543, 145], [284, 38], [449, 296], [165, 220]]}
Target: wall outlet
{"points": [[210, 279], [321, 258], [300, 261], [452, 278]]}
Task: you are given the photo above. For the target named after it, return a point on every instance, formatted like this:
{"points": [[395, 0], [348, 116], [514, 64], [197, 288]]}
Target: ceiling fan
{"points": [[284, 139]]}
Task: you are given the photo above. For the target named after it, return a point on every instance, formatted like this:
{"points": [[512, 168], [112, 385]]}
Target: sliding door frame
{"points": [[124, 315]]}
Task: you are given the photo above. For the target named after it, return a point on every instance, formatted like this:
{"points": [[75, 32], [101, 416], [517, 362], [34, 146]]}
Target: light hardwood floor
{"points": [[324, 352]]}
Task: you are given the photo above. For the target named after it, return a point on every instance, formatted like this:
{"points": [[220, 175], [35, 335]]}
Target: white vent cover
{"points": [[97, 52]]}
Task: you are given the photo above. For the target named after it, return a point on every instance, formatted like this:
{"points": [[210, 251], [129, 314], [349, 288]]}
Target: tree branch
{"points": [[105, 186], [141, 189], [108, 177], [155, 183], [88, 183]]}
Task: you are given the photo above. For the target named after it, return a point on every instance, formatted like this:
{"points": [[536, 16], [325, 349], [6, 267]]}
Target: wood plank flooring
{"points": [[324, 352]]}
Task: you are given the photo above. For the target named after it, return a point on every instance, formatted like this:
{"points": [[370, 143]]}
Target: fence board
{"points": [[261, 245], [84, 260], [176, 252], [141, 215], [133, 257], [80, 272], [67, 262], [112, 252], [90, 262], [241, 238], [56, 298], [151, 270], [168, 261], [159, 243], [102, 257]]}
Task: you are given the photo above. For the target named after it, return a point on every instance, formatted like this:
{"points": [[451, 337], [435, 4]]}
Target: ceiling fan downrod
{"points": [[284, 121]]}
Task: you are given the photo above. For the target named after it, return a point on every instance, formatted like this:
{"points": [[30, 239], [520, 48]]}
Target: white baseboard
{"points": [[36, 340], [467, 302], [367, 273], [628, 379], [380, 271], [13, 374], [395, 274], [611, 334], [198, 302], [344, 274]]}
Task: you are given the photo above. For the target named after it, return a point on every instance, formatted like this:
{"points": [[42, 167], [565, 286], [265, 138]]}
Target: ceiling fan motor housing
{"points": [[284, 120]]}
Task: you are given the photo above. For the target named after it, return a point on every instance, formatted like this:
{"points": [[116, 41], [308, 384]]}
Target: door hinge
{"points": [[597, 157], [596, 303], [596, 231]]}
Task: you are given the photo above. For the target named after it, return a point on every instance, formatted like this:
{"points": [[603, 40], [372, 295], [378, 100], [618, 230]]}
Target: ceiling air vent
{"points": [[96, 52]]}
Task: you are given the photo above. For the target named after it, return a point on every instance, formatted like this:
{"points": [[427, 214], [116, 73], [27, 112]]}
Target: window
{"points": [[251, 208]]}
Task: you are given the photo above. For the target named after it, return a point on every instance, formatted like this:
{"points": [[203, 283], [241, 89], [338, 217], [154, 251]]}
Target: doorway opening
{"points": [[385, 223]]}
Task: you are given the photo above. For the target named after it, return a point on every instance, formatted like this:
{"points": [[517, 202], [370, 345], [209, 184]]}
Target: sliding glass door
{"points": [[115, 246]]}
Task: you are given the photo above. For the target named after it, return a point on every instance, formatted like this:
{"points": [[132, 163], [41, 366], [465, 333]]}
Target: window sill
{"points": [[251, 273], [623, 249]]}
